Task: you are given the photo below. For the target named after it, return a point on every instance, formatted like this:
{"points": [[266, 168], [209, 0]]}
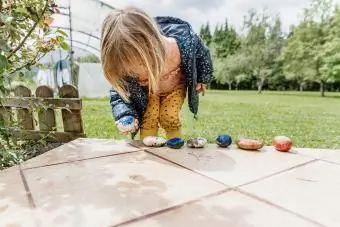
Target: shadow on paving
{"points": [[88, 194]]}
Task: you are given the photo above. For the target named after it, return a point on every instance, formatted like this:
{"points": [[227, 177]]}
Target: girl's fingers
{"points": [[198, 87]]}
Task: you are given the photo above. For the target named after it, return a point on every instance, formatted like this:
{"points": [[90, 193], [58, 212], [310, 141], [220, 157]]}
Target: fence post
{"points": [[46, 117], [5, 116], [24, 115], [72, 119]]}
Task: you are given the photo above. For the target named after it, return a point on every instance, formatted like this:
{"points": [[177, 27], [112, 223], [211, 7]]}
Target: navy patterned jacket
{"points": [[196, 65]]}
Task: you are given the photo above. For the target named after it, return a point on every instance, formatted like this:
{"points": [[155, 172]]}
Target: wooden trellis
{"points": [[37, 114]]}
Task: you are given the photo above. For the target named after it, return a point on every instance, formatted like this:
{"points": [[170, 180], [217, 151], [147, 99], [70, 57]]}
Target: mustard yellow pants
{"points": [[164, 111]]}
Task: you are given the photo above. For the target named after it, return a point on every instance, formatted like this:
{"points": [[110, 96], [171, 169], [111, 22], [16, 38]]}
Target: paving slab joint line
{"points": [[329, 162], [277, 173], [277, 206], [184, 167], [237, 186], [175, 207], [27, 189], [79, 160]]}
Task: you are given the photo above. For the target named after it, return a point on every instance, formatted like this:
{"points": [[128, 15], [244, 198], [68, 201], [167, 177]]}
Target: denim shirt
{"points": [[196, 66]]}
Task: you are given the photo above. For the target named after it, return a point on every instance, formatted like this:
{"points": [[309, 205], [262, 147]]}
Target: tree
{"points": [[226, 40], [310, 53], [229, 70], [295, 57], [262, 45], [25, 35], [331, 53], [206, 34]]}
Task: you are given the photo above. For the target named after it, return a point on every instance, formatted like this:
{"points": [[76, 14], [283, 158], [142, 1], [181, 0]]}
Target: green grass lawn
{"points": [[310, 120]]}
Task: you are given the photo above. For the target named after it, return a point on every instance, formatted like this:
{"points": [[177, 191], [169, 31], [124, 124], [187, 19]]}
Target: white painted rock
{"points": [[154, 141], [198, 142]]}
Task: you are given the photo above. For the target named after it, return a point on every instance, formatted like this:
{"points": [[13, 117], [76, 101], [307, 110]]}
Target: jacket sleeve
{"points": [[204, 62], [119, 107]]}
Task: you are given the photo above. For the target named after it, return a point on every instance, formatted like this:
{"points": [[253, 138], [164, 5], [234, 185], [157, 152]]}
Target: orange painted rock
{"points": [[282, 143], [249, 144]]}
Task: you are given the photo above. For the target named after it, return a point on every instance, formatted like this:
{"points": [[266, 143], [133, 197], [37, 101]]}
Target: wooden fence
{"points": [[37, 114]]}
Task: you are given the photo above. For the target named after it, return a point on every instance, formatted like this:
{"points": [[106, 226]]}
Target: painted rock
{"points": [[126, 124], [249, 144], [224, 140], [175, 143], [282, 143], [154, 141], [198, 142]]}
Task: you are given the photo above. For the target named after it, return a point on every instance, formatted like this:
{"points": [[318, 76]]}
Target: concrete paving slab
{"points": [[15, 208], [312, 190], [228, 209], [109, 190], [232, 166], [80, 149]]}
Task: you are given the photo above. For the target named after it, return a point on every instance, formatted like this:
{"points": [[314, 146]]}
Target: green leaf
{"points": [[60, 38], [3, 62], [22, 11], [4, 46], [61, 32], [64, 46], [9, 19]]}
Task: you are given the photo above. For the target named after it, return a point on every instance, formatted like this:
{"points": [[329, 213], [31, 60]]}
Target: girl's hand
{"points": [[200, 88], [127, 125], [133, 129]]}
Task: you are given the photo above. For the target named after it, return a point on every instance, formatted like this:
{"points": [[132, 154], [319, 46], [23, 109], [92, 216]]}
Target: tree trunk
{"points": [[229, 85], [236, 87], [260, 86], [301, 87], [322, 89]]}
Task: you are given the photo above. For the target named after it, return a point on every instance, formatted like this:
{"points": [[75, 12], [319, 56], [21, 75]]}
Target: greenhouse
{"points": [[82, 25]]}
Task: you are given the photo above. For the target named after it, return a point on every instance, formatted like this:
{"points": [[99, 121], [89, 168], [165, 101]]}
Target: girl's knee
{"points": [[170, 121]]}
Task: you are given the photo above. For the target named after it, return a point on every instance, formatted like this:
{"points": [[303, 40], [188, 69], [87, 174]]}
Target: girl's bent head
{"points": [[131, 45]]}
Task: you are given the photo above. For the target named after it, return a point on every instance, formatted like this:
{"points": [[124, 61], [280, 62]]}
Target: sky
{"points": [[198, 12]]}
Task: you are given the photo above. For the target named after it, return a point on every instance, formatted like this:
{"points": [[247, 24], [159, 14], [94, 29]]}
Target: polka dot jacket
{"points": [[196, 65]]}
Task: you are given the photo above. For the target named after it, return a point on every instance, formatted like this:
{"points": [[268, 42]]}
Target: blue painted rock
{"points": [[175, 143], [126, 124], [154, 141], [224, 140], [198, 142]]}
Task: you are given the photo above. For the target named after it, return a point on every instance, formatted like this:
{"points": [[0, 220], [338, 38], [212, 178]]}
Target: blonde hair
{"points": [[129, 37]]}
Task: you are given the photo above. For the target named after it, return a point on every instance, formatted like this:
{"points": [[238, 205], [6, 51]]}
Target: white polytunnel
{"points": [[81, 20]]}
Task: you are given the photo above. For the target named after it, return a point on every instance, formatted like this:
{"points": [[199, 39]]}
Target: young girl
{"points": [[152, 64]]}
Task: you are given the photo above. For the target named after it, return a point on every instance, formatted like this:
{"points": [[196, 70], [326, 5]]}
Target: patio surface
{"points": [[95, 183]]}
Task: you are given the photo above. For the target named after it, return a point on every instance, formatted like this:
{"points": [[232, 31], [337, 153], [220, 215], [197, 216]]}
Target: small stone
{"points": [[224, 140], [249, 144], [198, 142], [175, 143], [154, 141], [282, 143]]}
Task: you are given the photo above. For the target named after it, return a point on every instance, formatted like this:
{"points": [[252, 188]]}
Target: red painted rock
{"points": [[249, 144], [282, 143]]}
